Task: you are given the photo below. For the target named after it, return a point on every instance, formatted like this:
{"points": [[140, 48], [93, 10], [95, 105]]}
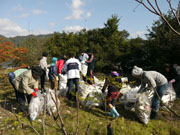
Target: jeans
{"points": [[22, 100], [11, 77], [70, 87], [161, 90]]}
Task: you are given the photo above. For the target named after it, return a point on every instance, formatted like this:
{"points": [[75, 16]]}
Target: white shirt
{"points": [[43, 63], [72, 67]]}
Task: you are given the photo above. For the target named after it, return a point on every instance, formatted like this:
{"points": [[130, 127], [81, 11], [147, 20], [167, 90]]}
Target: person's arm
{"points": [[25, 81], [92, 56], [152, 82], [105, 85], [87, 57]]}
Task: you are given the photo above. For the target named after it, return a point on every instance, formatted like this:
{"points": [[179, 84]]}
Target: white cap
{"points": [[137, 71]]}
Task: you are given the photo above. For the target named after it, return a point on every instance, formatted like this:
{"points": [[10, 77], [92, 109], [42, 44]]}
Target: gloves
{"points": [[36, 89], [172, 81], [34, 94]]}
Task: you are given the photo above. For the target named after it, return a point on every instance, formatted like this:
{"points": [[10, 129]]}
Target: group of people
{"points": [[149, 80], [25, 81]]}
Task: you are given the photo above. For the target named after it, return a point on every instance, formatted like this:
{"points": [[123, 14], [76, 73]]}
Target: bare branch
{"points": [[77, 103], [17, 119], [146, 6], [153, 7], [87, 129], [58, 111], [158, 7], [172, 10], [44, 115], [159, 13]]}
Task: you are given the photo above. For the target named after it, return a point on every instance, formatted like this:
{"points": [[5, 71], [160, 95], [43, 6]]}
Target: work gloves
{"points": [[172, 81], [34, 93]]}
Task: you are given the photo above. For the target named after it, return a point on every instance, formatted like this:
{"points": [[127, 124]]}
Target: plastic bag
{"points": [[169, 96], [47, 77], [143, 107], [84, 68], [36, 106], [51, 106], [63, 84]]}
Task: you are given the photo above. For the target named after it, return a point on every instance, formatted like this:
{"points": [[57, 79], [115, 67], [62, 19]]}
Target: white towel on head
{"points": [[137, 71]]}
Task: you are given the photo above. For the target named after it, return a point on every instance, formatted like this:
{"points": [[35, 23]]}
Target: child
{"points": [[112, 81]]}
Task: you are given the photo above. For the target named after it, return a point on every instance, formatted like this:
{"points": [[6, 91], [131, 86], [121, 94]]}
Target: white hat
{"points": [[137, 71]]}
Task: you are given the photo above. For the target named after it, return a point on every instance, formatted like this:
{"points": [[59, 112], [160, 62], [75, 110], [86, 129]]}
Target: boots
{"points": [[153, 115], [109, 129], [114, 111]]}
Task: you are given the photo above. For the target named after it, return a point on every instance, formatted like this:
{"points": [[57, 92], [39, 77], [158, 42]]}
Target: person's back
{"points": [[114, 80], [25, 81], [72, 66], [153, 77], [60, 65], [83, 57], [20, 71], [53, 70]]}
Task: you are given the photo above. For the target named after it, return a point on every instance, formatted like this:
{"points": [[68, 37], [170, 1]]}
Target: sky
{"points": [[25, 17]]}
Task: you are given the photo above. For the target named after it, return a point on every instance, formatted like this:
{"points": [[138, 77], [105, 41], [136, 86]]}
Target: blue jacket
{"points": [[53, 71]]}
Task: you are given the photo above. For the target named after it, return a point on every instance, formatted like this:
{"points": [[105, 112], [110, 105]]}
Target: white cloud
{"points": [[77, 12], [138, 34], [88, 14], [76, 4], [38, 12], [11, 29], [73, 28], [52, 24], [22, 16]]}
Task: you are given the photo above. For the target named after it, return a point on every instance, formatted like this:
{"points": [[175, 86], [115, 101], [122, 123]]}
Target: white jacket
{"points": [[73, 68], [43, 63]]}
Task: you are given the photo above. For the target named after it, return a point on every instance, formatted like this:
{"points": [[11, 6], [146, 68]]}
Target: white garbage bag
{"points": [[84, 68], [63, 84], [47, 76], [91, 95], [143, 107], [169, 96], [36, 106], [51, 101]]}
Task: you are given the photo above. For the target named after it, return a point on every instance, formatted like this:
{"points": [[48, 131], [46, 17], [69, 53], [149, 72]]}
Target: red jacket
{"points": [[60, 65]]}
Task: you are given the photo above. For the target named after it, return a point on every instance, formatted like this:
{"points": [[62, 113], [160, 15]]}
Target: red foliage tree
{"points": [[9, 52]]}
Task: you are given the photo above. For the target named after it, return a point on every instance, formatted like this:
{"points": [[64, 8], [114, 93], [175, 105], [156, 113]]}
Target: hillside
{"points": [[19, 39], [13, 123]]}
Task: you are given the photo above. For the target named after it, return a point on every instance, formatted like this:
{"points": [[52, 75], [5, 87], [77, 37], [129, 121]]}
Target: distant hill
{"points": [[19, 39], [4, 38]]}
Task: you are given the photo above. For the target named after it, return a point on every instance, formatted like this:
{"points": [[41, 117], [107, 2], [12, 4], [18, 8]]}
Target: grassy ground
{"points": [[96, 118]]}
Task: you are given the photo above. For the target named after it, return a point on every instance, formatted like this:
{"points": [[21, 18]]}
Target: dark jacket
{"points": [[53, 72], [112, 82], [172, 74]]}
